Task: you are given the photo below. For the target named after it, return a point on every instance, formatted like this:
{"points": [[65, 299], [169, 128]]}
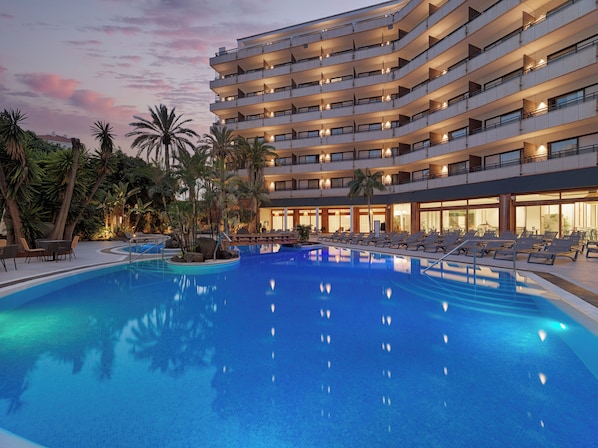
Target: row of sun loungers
{"points": [[542, 249]]}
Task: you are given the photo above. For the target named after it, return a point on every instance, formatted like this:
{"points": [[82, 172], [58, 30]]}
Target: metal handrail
{"points": [[220, 240], [477, 240], [146, 239]]}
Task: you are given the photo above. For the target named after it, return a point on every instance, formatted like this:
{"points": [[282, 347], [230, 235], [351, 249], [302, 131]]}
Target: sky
{"points": [[66, 64]]}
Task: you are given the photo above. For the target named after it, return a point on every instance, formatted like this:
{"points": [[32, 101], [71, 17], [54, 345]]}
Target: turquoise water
{"points": [[296, 348]]}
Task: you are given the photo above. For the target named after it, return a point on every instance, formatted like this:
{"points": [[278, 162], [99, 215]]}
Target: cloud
{"points": [[85, 43], [50, 85], [112, 29]]}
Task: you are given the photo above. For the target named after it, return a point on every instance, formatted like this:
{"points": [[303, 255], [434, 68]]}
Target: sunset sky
{"points": [[68, 63]]}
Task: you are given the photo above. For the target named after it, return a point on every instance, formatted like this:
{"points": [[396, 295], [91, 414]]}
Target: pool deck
{"points": [[579, 278]]}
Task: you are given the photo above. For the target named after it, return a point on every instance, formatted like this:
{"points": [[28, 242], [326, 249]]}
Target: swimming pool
{"points": [[296, 348]]}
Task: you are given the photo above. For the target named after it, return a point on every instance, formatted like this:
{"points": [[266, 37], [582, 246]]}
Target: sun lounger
{"points": [[445, 244], [428, 240], [557, 248], [524, 245], [591, 248]]}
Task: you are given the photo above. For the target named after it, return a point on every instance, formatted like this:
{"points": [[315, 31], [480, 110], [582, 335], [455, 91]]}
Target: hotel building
{"points": [[480, 115]]}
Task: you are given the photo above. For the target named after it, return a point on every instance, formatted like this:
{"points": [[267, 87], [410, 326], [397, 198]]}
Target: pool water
{"points": [[296, 348]]}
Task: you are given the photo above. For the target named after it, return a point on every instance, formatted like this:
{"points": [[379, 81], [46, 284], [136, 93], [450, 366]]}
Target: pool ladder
{"points": [[155, 241], [476, 240]]}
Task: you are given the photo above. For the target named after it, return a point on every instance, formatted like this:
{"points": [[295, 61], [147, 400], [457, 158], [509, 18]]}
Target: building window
{"points": [[565, 100], [503, 119], [562, 148], [420, 145], [458, 168], [416, 176], [503, 159], [458, 133]]}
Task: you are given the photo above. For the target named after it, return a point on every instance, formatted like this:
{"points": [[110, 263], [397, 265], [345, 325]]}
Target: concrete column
{"points": [[317, 220]]}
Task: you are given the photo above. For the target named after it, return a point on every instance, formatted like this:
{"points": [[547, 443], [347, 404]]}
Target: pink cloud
{"points": [[83, 42], [111, 29], [51, 85]]}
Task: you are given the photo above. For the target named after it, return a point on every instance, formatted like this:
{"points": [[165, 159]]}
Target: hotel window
{"points": [[370, 154], [336, 157], [503, 119], [458, 168], [420, 175], [458, 133], [504, 159], [280, 137], [565, 100], [420, 145], [562, 148]]}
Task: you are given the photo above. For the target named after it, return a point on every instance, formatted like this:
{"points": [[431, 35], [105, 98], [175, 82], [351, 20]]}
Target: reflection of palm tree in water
{"points": [[177, 335]]}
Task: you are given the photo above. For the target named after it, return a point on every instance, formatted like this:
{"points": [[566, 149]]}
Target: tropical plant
{"points": [[364, 184], [12, 136], [256, 155], [193, 171], [163, 132], [102, 132], [221, 144]]}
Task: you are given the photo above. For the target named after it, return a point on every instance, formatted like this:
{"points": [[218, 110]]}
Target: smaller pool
{"points": [[144, 248]]}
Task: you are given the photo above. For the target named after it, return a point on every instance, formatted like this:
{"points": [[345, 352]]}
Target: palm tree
{"points": [[221, 144], [256, 155], [192, 170], [102, 132], [163, 131], [364, 184], [13, 137]]}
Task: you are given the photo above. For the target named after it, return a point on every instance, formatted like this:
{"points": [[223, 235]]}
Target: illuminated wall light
{"points": [[387, 180], [444, 105], [542, 378], [272, 138], [542, 335], [272, 189], [445, 71], [387, 125], [388, 97], [444, 169], [541, 106], [327, 132], [223, 121], [445, 137], [327, 106]]}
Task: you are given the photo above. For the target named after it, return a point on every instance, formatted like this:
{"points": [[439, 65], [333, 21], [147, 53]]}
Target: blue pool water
{"points": [[322, 348]]}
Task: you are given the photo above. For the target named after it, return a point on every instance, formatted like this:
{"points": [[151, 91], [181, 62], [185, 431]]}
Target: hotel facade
{"points": [[480, 115]]}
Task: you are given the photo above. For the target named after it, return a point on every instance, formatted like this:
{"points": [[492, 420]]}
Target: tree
{"points": [[256, 155], [193, 171], [221, 143], [364, 184], [60, 223], [102, 132], [163, 131], [13, 138]]}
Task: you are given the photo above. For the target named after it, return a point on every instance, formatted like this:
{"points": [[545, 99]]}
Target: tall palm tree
{"points": [[102, 132], [193, 171], [256, 155], [164, 131], [364, 184], [13, 137], [221, 144]]}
